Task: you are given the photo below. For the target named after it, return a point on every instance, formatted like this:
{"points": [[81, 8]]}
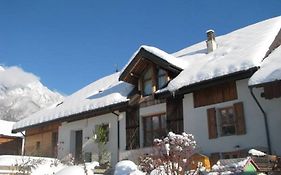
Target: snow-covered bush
{"points": [[171, 154], [127, 167]]}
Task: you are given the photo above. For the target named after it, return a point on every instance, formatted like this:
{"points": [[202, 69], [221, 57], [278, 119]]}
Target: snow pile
{"points": [[230, 165], [270, 69], [6, 129], [255, 152], [22, 94], [237, 51], [101, 93], [127, 167]]}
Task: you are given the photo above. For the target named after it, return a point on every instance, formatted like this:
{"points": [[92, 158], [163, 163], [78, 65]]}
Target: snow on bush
{"points": [[170, 156], [127, 167]]}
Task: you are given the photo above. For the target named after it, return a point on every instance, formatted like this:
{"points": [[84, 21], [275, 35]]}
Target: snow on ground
{"points": [[6, 129], [103, 92], [270, 69], [79, 170], [43, 165], [237, 51]]}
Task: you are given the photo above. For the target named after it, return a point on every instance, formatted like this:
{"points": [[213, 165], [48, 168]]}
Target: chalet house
{"points": [[207, 89], [10, 144], [101, 103]]}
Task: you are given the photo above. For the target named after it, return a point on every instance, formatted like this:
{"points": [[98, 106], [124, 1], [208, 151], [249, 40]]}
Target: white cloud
{"points": [[16, 76]]}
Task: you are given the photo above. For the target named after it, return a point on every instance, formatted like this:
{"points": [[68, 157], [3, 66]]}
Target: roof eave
{"points": [[263, 84], [206, 83], [79, 116]]}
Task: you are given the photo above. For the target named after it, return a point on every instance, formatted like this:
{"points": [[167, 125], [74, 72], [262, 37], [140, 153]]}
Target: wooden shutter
{"points": [[212, 123], [174, 115], [240, 120], [132, 128], [214, 157]]}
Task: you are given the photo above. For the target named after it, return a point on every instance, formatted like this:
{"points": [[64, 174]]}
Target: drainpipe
{"points": [[118, 134], [265, 120], [23, 144]]}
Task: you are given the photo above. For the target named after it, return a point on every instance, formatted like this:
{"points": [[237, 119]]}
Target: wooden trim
{"points": [[154, 114], [212, 123], [240, 119]]}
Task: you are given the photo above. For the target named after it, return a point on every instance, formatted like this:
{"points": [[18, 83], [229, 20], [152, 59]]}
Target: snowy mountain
{"points": [[22, 94]]}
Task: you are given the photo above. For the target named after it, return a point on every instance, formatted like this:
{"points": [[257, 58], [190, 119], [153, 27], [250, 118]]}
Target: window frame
{"points": [[164, 75], [230, 124], [144, 80], [159, 130], [153, 79]]}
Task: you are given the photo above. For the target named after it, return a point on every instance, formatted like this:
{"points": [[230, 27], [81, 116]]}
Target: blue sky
{"points": [[69, 44]]}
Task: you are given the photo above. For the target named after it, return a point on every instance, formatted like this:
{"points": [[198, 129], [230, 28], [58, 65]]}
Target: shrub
{"points": [[171, 154]]}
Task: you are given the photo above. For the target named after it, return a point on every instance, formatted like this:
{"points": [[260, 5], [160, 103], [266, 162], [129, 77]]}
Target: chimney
{"points": [[211, 41]]}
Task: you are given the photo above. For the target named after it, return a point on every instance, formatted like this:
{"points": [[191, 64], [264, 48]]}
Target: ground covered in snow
{"points": [[43, 166]]}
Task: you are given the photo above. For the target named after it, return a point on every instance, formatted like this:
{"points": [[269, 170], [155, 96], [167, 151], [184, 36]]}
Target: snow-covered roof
{"points": [[161, 54], [101, 93], [6, 129], [270, 69], [237, 51]]}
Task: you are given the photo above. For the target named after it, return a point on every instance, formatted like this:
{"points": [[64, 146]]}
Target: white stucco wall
{"points": [[66, 141], [273, 110], [195, 122]]}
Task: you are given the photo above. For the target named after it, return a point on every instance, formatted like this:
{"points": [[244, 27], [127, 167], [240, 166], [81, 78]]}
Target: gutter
{"points": [[265, 120], [23, 144], [118, 133]]}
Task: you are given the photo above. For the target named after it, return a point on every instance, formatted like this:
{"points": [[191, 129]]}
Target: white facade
{"points": [[272, 109], [66, 139], [195, 122]]}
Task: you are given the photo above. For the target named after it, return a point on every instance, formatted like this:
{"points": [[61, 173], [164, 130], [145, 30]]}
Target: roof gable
{"points": [[146, 55]]}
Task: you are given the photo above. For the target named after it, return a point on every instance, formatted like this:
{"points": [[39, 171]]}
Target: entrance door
{"points": [[54, 144], [78, 146]]}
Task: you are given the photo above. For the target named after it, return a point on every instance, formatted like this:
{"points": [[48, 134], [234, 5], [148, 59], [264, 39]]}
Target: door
{"points": [[54, 144], [78, 146]]}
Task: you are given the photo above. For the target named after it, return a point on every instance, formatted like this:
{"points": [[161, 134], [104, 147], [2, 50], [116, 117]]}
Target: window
{"points": [[132, 128], [161, 78], [154, 78], [215, 94], [174, 112], [230, 121], [147, 82], [154, 127], [227, 121], [102, 133]]}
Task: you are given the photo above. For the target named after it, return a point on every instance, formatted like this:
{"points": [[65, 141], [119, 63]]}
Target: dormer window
{"points": [[162, 78], [147, 82], [153, 79]]}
